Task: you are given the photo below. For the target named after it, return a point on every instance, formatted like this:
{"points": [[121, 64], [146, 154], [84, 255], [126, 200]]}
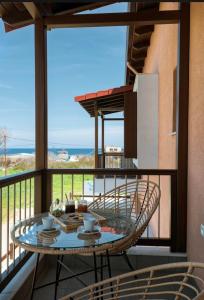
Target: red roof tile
{"points": [[99, 94]]}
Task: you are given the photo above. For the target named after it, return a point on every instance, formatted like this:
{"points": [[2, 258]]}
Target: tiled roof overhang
{"points": [[106, 101]]}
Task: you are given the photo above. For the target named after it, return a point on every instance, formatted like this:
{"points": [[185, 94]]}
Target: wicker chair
{"points": [[171, 281], [136, 201]]}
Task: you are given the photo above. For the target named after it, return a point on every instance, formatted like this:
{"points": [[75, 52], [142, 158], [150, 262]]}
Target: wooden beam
{"points": [[96, 135], [139, 58], [138, 53], [9, 28], [2, 10], [113, 19], [33, 10], [182, 124], [113, 119], [112, 109], [143, 44], [17, 19], [84, 7], [143, 29], [41, 145], [103, 141], [130, 125], [138, 65]]}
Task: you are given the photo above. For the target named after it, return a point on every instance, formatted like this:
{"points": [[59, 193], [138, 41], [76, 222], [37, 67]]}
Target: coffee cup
{"points": [[47, 222], [89, 223]]}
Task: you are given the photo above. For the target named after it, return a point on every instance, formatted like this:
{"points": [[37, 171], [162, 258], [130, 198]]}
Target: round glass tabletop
{"points": [[26, 234]]}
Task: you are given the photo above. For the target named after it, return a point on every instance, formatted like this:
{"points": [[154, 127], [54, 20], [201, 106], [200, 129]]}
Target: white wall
{"points": [[146, 86]]}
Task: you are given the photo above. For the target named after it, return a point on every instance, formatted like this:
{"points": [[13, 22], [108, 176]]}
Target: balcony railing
{"points": [[17, 194], [18, 201], [115, 160], [89, 183]]}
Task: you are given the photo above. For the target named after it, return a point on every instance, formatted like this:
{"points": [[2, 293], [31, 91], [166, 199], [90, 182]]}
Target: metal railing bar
{"points": [[104, 189], [30, 197], [19, 210], [148, 198], [0, 229], [8, 217], [72, 185], [14, 217], [83, 185], [62, 186], [25, 198], [159, 212]]}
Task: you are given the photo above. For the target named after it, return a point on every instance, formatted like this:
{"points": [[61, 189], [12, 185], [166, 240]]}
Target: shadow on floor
{"points": [[79, 264]]}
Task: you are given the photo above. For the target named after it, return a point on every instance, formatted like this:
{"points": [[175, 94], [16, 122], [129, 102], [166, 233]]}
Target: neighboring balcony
{"points": [[115, 160]]}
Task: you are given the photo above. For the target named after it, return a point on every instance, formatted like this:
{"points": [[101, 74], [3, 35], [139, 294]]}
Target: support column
{"points": [[96, 136], [102, 142], [182, 125], [41, 142]]}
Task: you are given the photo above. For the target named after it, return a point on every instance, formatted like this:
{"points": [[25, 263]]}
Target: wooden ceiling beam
{"points": [[113, 19], [9, 28], [138, 65], [143, 44], [143, 29], [33, 10], [2, 10], [84, 7], [23, 18], [138, 59]]}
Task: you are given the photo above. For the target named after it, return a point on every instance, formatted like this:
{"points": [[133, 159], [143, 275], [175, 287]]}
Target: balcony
{"points": [[29, 193], [19, 201]]}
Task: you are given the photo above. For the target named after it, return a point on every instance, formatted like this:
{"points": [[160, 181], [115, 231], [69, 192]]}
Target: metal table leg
{"points": [[34, 276], [95, 267], [108, 262], [58, 271]]}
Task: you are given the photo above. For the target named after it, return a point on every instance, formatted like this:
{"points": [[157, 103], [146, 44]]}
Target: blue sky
{"points": [[79, 61]]}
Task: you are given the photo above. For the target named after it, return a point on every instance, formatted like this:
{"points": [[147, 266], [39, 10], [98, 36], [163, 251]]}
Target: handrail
{"points": [[113, 172], [11, 179]]}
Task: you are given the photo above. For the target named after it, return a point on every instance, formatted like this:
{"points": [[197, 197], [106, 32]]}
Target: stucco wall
{"points": [[162, 59], [195, 243]]}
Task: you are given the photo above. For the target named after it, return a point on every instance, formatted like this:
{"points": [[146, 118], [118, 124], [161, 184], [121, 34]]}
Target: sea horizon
{"points": [[71, 151]]}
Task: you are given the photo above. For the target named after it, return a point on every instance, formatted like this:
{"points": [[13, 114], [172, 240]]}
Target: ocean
{"points": [[71, 151]]}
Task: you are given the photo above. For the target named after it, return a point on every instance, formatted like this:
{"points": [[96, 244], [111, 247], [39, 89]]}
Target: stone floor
{"points": [[118, 265]]}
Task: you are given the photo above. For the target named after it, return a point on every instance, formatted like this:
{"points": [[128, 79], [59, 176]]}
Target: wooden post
{"points": [[182, 124], [102, 142], [130, 125], [41, 112], [96, 136]]}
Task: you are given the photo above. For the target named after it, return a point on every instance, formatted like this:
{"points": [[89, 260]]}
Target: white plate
{"points": [[81, 229], [40, 228]]}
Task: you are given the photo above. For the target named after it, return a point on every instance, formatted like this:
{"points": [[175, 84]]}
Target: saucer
{"points": [[40, 228], [82, 230]]}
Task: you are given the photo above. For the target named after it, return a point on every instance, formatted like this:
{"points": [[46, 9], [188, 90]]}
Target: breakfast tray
{"points": [[71, 221]]}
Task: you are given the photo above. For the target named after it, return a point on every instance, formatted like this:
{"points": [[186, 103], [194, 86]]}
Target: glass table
{"points": [[25, 234]]}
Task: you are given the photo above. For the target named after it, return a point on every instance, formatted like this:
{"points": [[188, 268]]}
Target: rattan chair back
{"points": [[178, 281], [136, 201]]}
